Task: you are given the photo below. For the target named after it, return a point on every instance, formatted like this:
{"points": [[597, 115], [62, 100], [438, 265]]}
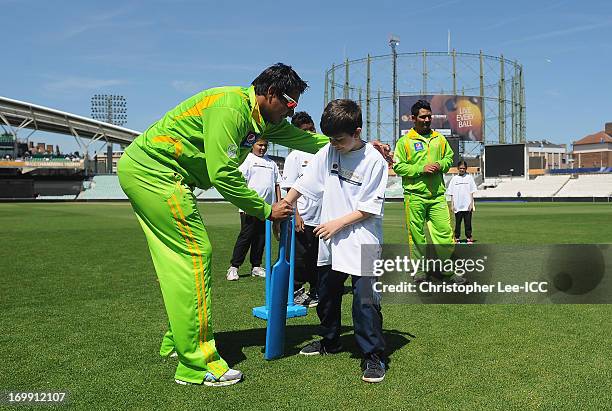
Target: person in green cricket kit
{"points": [[201, 143], [421, 158]]}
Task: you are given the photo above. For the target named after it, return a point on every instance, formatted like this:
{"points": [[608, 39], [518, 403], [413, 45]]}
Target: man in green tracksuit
{"points": [[201, 143], [421, 158]]}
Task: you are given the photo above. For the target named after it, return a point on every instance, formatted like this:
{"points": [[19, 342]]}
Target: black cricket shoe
{"points": [[374, 369], [318, 348]]}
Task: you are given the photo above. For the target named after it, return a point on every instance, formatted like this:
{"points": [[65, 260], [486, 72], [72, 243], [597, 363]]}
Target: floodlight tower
{"points": [[393, 42], [112, 109]]}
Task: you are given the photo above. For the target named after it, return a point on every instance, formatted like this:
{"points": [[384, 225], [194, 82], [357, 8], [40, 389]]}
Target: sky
{"points": [[157, 53]]}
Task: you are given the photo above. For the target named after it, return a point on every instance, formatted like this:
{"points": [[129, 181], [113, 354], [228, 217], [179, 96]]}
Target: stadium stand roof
{"points": [[544, 144], [19, 114]]}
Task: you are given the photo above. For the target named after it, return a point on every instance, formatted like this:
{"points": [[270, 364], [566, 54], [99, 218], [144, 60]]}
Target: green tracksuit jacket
{"points": [[199, 143]]}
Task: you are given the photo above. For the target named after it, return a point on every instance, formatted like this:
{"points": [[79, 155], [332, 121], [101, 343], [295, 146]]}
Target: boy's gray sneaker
{"points": [[374, 369], [317, 348], [300, 296]]}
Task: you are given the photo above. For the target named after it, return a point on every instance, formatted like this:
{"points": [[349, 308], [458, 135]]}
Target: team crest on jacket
{"points": [[249, 140], [232, 149], [418, 146]]}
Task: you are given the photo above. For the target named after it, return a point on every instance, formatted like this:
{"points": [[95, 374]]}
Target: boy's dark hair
{"points": [[281, 78], [341, 116], [419, 105], [462, 163], [300, 118]]}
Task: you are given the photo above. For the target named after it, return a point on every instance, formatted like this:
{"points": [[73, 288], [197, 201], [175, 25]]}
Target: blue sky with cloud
{"points": [[158, 52]]}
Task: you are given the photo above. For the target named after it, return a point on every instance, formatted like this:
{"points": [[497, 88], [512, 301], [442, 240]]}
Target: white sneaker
{"points": [[232, 274], [258, 272], [231, 377]]}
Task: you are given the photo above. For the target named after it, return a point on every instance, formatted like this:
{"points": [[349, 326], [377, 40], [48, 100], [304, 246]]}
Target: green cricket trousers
{"points": [[433, 212], [181, 251]]}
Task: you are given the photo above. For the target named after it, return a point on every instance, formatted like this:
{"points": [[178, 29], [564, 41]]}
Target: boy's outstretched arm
{"points": [[284, 203], [327, 230], [292, 196]]}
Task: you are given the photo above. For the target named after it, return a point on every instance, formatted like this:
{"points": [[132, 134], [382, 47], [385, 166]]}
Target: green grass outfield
{"points": [[82, 312]]}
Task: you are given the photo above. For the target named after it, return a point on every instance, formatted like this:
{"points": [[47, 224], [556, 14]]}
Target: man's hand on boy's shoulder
{"points": [[384, 149]]}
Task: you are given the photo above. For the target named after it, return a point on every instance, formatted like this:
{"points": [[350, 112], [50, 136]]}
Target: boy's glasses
{"points": [[291, 103]]}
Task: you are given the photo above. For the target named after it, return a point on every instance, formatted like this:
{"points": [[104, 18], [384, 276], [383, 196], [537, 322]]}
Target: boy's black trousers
{"points": [[467, 217]]}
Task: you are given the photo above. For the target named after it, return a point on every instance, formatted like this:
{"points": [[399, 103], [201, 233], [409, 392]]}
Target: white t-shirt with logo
{"points": [[344, 183], [262, 175], [461, 189], [295, 164]]}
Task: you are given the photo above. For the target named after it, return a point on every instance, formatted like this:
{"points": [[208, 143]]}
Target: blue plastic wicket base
{"points": [[292, 311]]}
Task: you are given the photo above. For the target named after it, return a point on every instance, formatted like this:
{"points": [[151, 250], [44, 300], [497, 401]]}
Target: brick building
{"points": [[594, 150]]}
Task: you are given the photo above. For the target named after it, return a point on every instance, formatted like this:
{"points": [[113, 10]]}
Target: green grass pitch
{"points": [[82, 312]]}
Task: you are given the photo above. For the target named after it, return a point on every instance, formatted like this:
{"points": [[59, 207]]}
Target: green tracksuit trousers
{"points": [[181, 253], [433, 212]]}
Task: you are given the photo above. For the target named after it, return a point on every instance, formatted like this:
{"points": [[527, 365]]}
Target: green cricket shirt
{"points": [[206, 137], [412, 152]]}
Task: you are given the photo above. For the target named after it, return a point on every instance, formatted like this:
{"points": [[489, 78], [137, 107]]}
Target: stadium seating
{"points": [[210, 194], [103, 187], [557, 186], [542, 186], [593, 185]]}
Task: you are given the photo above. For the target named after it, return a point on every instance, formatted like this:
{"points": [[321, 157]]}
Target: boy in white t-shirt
{"points": [[461, 189], [349, 178], [262, 175], [306, 219]]}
